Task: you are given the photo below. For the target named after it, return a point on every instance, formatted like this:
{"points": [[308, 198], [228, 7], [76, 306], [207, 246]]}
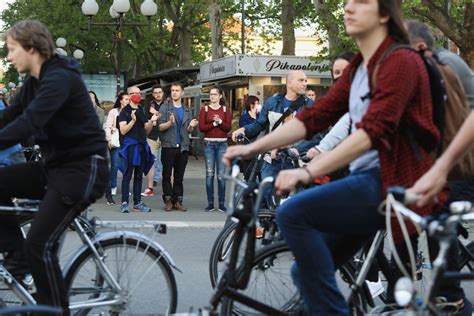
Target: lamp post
{"points": [[117, 11], [61, 49]]}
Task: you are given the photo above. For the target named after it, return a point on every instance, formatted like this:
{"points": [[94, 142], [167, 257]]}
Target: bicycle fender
{"points": [[118, 234]]}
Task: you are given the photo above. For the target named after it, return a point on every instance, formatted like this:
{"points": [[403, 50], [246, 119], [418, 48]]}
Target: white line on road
{"points": [[173, 224]]}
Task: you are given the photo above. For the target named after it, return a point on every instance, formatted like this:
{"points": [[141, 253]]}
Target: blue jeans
{"points": [[158, 166], [114, 166], [324, 226], [137, 173], [213, 153]]}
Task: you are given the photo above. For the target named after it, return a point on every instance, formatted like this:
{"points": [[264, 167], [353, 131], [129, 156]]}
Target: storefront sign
{"points": [[221, 68], [243, 65]]}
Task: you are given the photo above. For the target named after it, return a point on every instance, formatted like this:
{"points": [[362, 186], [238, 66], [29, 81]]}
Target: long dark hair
{"points": [[396, 28], [222, 101], [119, 98], [96, 99]]}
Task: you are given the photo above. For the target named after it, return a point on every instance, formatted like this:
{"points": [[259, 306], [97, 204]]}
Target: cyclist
{"points": [[324, 226], [54, 106], [435, 179]]}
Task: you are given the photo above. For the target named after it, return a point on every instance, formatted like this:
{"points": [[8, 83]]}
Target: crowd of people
{"points": [[358, 126]]}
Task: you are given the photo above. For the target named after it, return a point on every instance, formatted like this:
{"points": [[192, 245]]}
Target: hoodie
{"points": [[56, 109]]}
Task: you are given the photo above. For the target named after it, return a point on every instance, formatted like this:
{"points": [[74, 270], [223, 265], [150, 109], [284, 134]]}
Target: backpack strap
{"points": [[293, 107]]}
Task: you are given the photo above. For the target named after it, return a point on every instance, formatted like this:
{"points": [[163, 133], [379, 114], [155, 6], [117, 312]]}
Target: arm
{"points": [[109, 124], [352, 147], [227, 122], [126, 127], [165, 123], [204, 125], [435, 179], [48, 100], [336, 135]]}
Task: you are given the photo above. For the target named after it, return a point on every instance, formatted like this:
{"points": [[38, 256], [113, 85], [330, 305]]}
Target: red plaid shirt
{"points": [[401, 100]]}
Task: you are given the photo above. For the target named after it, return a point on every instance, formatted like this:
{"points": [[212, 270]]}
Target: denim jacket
{"points": [[169, 137], [274, 105]]}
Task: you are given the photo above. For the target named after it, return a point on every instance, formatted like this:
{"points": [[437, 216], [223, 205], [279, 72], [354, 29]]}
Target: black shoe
{"points": [[15, 262], [110, 201], [155, 183]]}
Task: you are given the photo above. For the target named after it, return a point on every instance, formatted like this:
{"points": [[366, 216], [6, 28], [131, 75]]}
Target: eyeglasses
{"points": [[132, 93], [213, 93]]}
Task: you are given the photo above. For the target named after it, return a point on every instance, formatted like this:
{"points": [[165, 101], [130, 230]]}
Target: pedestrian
{"points": [[137, 158], [112, 134], [153, 139], [176, 122], [98, 109], [53, 105], [215, 121], [252, 108]]}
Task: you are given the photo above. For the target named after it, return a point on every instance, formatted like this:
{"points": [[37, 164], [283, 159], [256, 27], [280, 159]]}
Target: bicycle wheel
{"points": [[270, 282], [223, 244], [147, 281]]}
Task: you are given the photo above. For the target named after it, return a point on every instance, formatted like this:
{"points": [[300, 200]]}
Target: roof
{"points": [[185, 75]]}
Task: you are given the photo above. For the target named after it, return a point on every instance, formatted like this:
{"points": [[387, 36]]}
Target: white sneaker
{"points": [[375, 288], [113, 191]]}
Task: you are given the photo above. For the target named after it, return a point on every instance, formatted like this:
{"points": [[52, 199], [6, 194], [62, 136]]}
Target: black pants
{"points": [[65, 191], [174, 161]]}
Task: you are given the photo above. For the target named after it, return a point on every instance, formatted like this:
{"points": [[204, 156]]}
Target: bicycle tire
{"points": [[156, 290], [291, 301], [222, 245]]}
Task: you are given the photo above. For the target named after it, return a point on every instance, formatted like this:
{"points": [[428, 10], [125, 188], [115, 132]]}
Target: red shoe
{"points": [[148, 192]]}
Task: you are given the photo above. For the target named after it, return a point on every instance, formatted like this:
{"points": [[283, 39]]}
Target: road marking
{"points": [[170, 224]]}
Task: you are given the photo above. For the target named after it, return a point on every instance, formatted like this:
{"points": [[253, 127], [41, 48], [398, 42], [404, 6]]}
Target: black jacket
{"points": [[57, 111]]}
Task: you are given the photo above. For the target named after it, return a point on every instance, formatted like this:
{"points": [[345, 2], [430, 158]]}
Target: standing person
{"points": [[252, 108], [344, 212], [111, 126], [98, 109], [136, 154], [53, 105], [176, 123], [215, 121], [153, 139]]}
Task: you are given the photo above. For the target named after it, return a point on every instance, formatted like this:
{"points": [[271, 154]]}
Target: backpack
{"points": [[450, 107]]}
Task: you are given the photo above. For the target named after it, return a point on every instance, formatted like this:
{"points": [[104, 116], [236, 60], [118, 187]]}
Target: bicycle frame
{"points": [[91, 240], [231, 280]]}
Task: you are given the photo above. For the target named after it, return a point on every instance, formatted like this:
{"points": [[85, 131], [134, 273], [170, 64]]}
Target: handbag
{"points": [[114, 139]]}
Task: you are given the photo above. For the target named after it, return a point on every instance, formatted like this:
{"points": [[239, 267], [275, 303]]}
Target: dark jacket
{"points": [[57, 110], [169, 137]]}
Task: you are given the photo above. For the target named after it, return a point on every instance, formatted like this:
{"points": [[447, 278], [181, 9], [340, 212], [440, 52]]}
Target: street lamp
{"points": [[61, 49], [117, 11]]}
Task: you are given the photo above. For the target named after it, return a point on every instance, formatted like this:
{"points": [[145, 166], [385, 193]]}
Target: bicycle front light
{"points": [[404, 291]]}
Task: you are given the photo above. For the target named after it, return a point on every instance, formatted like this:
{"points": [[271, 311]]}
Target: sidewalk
{"points": [[194, 199]]}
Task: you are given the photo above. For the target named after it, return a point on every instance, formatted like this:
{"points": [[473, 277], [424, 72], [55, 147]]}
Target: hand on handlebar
{"points": [[288, 180], [237, 132], [243, 151], [429, 185]]}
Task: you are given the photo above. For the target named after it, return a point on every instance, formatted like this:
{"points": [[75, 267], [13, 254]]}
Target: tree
{"points": [[215, 22], [454, 18], [287, 19]]}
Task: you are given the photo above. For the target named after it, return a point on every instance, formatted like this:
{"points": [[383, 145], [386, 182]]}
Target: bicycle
{"points": [[268, 230], [110, 272], [261, 280], [434, 227]]}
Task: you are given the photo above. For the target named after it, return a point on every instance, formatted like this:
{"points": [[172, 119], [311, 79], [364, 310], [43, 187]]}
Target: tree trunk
{"points": [[288, 27], [185, 45], [327, 19], [216, 29]]}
